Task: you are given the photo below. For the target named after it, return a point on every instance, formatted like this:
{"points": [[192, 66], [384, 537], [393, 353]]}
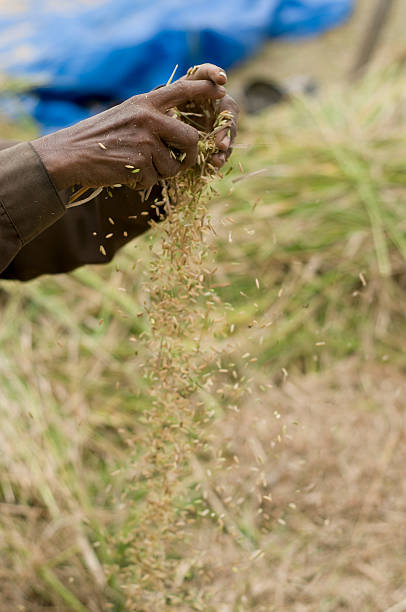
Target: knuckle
{"points": [[182, 87], [132, 100], [143, 114], [145, 141], [171, 171], [148, 142]]}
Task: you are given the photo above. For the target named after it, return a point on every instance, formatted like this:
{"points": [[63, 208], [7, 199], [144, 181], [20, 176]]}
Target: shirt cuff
{"points": [[27, 193]]}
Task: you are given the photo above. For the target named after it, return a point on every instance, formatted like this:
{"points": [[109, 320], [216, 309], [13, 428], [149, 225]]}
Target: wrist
{"points": [[57, 162]]}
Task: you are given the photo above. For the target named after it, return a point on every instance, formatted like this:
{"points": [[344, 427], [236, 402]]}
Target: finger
{"points": [[145, 179], [164, 162], [209, 72], [219, 159], [179, 135], [184, 91], [225, 138]]}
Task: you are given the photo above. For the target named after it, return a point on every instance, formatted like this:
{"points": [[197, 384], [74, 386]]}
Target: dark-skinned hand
{"points": [[209, 109], [138, 133]]}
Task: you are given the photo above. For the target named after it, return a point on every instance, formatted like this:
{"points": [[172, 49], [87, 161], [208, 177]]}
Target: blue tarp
{"points": [[78, 57]]}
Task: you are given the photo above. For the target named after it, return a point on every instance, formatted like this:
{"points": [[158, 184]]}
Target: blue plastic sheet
{"points": [[79, 58]]}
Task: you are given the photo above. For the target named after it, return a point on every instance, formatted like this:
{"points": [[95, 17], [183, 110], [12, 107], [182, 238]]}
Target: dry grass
{"points": [[302, 509], [332, 535]]}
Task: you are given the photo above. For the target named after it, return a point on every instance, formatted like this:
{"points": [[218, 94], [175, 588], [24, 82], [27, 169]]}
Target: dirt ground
{"points": [[331, 535], [338, 496]]}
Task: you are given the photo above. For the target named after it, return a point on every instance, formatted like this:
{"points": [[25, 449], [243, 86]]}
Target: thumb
{"points": [[184, 91]]}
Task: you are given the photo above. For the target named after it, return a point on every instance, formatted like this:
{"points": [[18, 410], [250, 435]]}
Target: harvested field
{"points": [[297, 502], [332, 536]]}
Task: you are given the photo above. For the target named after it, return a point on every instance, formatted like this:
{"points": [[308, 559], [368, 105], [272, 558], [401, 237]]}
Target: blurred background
{"points": [[76, 57], [312, 249]]}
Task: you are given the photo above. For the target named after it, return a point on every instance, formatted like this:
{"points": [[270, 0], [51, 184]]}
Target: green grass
{"points": [[327, 216]]}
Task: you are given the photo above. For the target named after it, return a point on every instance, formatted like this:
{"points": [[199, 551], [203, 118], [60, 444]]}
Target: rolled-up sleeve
{"points": [[29, 203]]}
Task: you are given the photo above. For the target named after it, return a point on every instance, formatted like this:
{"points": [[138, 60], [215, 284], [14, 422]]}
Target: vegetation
{"points": [[295, 499]]}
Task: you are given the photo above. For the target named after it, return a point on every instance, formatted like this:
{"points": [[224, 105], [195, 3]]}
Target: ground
{"points": [[307, 512]]}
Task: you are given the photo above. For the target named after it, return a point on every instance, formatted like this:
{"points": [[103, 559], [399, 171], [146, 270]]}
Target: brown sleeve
{"points": [[72, 238], [29, 203], [75, 240]]}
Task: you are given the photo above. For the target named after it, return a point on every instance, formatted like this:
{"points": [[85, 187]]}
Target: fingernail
{"points": [[223, 74], [225, 143]]}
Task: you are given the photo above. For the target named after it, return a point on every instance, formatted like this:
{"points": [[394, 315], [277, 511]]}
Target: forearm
{"points": [[131, 144], [6, 144], [58, 240]]}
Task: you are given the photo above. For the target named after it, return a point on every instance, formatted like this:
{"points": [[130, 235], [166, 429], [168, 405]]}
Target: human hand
{"points": [[209, 110], [130, 143]]}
